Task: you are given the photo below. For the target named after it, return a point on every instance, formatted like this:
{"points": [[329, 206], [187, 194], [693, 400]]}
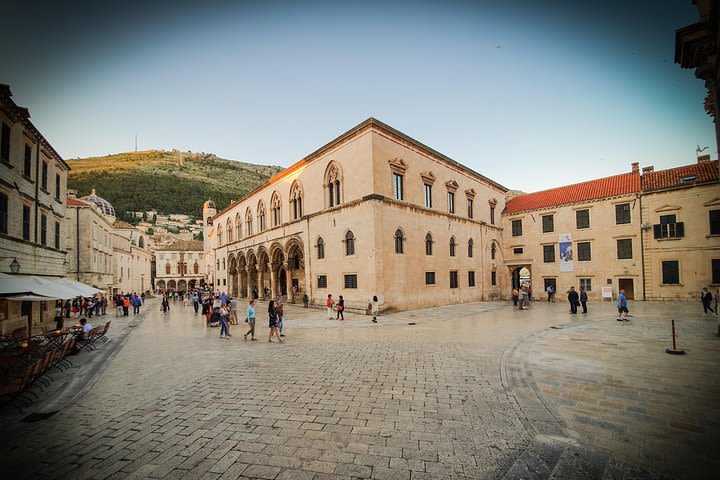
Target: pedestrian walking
{"points": [[165, 305], [280, 313], [224, 313], [622, 307], [374, 308], [126, 306], [136, 302], [250, 319], [196, 301], [340, 308], [550, 293], [583, 299], [59, 315], [233, 311], [330, 302], [573, 299], [273, 322], [515, 296], [522, 298], [706, 298]]}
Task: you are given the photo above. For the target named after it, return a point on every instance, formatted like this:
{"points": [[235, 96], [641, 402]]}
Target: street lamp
{"points": [[15, 266]]}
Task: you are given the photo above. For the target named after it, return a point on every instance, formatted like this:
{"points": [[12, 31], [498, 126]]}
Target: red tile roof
{"points": [[76, 202], [703, 172], [616, 185]]}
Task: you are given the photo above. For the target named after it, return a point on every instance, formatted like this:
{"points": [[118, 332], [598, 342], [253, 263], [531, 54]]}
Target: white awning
{"points": [[59, 288], [31, 298]]}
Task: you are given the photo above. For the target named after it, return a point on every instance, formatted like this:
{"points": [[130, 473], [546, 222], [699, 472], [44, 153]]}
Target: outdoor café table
{"points": [[55, 338]]}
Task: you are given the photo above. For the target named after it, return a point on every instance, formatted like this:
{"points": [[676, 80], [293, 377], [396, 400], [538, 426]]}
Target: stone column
{"points": [[260, 287], [273, 281], [288, 282], [244, 290]]}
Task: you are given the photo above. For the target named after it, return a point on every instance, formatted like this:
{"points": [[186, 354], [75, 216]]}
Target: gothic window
{"points": [[248, 222], [428, 244], [349, 243], [238, 226], [470, 248], [275, 208], [196, 268], [296, 200], [219, 236], [167, 269], [399, 241], [320, 248], [333, 184], [261, 216], [493, 250], [229, 229], [452, 246]]}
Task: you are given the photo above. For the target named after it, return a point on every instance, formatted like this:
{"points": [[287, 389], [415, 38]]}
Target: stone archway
{"points": [[232, 276], [182, 286], [242, 276], [253, 274], [160, 284], [171, 285], [295, 270]]}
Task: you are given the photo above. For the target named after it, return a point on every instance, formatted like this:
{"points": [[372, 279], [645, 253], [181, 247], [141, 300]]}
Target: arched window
{"points": [[219, 236], [238, 226], [223, 264], [141, 242], [275, 208], [452, 246], [196, 268], [428, 244], [320, 248], [167, 269], [296, 200], [248, 222], [470, 248], [333, 183], [218, 264], [229, 229], [399, 241], [261, 216], [492, 251], [349, 243]]}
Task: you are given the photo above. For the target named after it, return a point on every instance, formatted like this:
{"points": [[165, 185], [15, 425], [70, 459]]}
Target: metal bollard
{"points": [[674, 350]]}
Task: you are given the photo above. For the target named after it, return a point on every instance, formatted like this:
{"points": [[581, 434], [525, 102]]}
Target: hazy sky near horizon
{"points": [[532, 94]]}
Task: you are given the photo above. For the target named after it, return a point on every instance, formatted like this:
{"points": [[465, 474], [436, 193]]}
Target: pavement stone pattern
{"points": [[470, 391]]}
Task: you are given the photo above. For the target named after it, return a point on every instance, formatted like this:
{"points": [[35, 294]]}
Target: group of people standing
{"points": [[96, 306], [339, 307]]}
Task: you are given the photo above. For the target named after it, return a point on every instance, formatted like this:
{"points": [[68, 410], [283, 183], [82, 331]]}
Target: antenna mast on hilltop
{"points": [[136, 142]]}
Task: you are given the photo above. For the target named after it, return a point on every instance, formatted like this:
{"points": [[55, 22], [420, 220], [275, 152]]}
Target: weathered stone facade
{"points": [[180, 266]]}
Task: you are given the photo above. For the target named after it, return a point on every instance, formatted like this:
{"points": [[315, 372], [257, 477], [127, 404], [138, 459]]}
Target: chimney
{"points": [[635, 167], [703, 158], [648, 169]]}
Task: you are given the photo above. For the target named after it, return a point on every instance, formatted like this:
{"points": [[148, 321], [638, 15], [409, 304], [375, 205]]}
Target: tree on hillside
{"points": [[144, 216], [150, 231], [199, 236]]}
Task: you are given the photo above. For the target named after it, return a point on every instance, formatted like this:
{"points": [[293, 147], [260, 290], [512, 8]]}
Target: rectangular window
{"points": [[470, 207], [429, 278], [44, 177], [517, 251], [351, 281], [624, 249], [471, 278], [451, 202], [428, 196], [27, 165], [322, 281], [26, 222], [714, 222], [669, 227], [4, 213], [493, 278], [43, 229], [583, 251], [57, 186], [582, 219], [57, 235], [548, 253], [548, 224], [622, 213], [517, 228], [716, 271], [671, 272], [5, 143], [586, 283], [492, 215], [398, 186], [550, 282], [454, 279]]}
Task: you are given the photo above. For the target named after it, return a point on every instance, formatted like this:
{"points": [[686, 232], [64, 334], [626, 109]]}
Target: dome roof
{"points": [[103, 206]]}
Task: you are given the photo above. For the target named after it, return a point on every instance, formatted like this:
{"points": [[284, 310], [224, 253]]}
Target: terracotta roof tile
{"points": [[184, 246], [76, 202], [616, 185], [121, 224], [685, 176]]}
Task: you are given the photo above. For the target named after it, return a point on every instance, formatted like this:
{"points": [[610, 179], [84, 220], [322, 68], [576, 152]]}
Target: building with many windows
{"points": [[373, 212], [33, 180], [180, 266], [655, 235]]}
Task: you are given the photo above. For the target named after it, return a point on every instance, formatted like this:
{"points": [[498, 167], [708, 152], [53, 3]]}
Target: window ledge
{"points": [[671, 284], [670, 239], [713, 235], [46, 192], [6, 163]]}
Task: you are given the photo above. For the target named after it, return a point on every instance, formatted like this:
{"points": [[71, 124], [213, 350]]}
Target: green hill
{"points": [[168, 181]]}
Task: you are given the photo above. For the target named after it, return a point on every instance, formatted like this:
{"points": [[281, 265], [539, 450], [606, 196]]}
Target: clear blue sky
{"points": [[531, 96]]}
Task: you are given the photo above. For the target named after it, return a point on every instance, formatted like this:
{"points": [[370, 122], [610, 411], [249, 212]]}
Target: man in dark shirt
{"points": [[573, 299]]}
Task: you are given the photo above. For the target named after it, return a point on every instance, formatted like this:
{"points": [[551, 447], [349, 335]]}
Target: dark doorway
{"points": [[627, 285], [282, 278], [516, 278], [550, 281]]}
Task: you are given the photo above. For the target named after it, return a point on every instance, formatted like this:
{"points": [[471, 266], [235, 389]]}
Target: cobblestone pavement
{"points": [[469, 391]]}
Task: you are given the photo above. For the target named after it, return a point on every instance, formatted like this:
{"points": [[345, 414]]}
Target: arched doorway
{"points": [[520, 276], [296, 269], [171, 285], [233, 276], [282, 282], [191, 284], [182, 286]]}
